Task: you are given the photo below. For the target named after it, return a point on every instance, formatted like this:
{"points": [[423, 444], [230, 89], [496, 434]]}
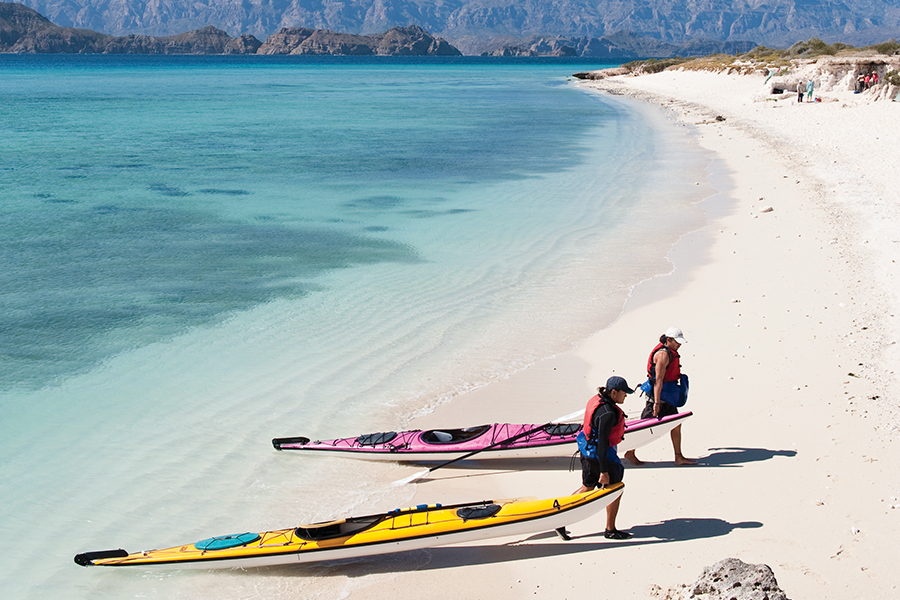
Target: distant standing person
{"points": [[801, 89], [604, 427], [664, 365], [809, 90]]}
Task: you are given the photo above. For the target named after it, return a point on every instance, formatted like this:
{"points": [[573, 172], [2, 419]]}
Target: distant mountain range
{"points": [[475, 26], [23, 30]]}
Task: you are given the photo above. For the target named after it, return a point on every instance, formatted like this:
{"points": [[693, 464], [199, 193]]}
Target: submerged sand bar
{"points": [[791, 317]]}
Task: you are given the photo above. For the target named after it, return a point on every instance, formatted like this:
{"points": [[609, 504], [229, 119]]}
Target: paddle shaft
{"points": [[494, 445], [421, 474]]}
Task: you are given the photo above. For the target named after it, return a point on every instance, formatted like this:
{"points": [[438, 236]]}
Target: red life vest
{"points": [[616, 434], [673, 371]]}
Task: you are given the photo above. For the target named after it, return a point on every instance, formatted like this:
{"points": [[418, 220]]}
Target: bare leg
{"points": [[611, 532], [611, 511], [561, 531], [676, 444], [631, 457]]}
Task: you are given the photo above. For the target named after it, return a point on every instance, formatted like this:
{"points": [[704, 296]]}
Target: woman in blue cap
{"points": [[604, 426]]}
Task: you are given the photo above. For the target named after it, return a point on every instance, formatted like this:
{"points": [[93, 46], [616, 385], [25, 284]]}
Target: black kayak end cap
{"points": [[277, 442], [88, 558]]}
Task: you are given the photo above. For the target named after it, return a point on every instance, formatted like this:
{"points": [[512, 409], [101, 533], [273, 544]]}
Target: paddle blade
{"points": [[413, 477], [575, 415]]}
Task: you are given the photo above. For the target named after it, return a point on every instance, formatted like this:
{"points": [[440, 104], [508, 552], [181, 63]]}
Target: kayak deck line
{"points": [[418, 527]]}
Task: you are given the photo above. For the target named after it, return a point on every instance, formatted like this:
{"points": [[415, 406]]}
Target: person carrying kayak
{"points": [[604, 428], [664, 365]]}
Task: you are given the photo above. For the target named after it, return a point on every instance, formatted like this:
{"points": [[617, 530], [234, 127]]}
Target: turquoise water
{"points": [[200, 254]]}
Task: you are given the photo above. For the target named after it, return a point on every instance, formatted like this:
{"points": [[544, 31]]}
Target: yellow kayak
{"points": [[413, 528]]}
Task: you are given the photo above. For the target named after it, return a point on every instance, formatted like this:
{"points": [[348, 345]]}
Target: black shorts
{"points": [[665, 410], [590, 472]]}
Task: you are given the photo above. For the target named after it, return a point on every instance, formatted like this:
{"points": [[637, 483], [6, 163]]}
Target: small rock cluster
{"points": [[729, 579]]}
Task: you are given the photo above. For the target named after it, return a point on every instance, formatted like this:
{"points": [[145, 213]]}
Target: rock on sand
{"points": [[729, 579]]}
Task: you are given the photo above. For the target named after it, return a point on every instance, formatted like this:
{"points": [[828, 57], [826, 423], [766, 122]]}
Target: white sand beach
{"points": [[791, 317]]}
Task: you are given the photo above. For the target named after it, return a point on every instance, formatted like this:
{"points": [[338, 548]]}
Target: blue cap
{"points": [[618, 383]]}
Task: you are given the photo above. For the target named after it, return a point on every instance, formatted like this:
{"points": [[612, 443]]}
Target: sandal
{"points": [[615, 534]]}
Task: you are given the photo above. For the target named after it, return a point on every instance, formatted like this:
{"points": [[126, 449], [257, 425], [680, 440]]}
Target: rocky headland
{"points": [[399, 41], [836, 68]]}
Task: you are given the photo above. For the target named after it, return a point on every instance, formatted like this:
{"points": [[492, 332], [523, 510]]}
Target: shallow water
{"points": [[201, 254]]}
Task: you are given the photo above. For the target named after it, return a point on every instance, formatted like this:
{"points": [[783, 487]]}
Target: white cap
{"points": [[675, 334]]}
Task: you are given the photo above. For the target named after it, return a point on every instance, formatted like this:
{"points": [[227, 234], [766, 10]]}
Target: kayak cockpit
{"points": [[336, 529], [484, 511], [453, 436]]}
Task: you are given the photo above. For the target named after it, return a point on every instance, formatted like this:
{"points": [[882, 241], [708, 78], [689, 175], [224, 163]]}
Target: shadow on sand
{"points": [[671, 530], [729, 457], [477, 468], [722, 457], [506, 464], [718, 457]]}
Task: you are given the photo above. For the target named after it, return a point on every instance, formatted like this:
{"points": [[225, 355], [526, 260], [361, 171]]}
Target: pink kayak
{"points": [[500, 440]]}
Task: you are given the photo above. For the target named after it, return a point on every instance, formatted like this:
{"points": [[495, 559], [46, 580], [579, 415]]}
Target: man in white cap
{"points": [[664, 365]]}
